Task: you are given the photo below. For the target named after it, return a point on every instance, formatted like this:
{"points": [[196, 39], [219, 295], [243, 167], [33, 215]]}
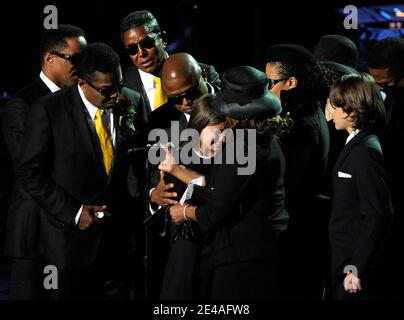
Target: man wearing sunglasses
{"points": [[74, 168], [145, 44], [183, 82], [57, 48]]}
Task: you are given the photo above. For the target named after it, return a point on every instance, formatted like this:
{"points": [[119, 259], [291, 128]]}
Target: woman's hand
{"points": [[169, 164]]}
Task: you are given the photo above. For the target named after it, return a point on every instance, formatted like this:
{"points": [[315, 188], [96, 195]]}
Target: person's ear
{"points": [[48, 58], [353, 116], [292, 82], [81, 83]]}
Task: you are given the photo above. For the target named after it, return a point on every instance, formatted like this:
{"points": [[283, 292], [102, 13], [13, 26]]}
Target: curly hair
{"points": [[314, 80], [388, 53], [275, 126]]}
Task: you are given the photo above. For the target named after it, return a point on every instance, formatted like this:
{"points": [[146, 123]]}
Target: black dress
{"points": [[182, 273]]}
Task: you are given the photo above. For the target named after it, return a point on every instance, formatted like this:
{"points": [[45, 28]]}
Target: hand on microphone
{"points": [[87, 217], [170, 163]]}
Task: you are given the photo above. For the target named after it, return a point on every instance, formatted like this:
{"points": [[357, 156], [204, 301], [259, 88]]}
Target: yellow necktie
{"points": [[105, 141], [159, 96]]}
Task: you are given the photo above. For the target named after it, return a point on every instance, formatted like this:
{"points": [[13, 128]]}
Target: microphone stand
{"points": [[148, 217], [146, 258], [142, 152]]}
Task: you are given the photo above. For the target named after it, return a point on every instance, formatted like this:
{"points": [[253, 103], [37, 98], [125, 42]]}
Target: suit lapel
{"points": [[183, 122], [135, 82], [85, 129], [345, 151], [43, 89]]}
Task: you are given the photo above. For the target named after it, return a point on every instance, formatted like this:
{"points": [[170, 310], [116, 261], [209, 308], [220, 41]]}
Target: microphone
{"points": [[145, 149]]}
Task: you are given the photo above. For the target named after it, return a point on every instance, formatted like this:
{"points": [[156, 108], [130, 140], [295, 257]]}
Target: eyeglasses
{"points": [[147, 43], [191, 94], [68, 57], [273, 82], [109, 91]]}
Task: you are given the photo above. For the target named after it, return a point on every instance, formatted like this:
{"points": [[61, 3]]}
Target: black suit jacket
{"points": [[22, 227], [162, 117], [61, 168], [306, 149], [394, 137], [134, 81], [362, 208], [16, 113], [246, 212]]}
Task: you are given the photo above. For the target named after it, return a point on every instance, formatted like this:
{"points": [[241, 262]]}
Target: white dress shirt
{"points": [[352, 135], [149, 86], [49, 83]]}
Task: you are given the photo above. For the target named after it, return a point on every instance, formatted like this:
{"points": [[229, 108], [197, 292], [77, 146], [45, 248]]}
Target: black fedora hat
{"points": [[289, 52], [245, 95]]}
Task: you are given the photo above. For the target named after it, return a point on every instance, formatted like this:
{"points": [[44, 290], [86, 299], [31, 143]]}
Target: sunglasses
{"points": [[272, 82], [146, 43], [68, 57], [109, 91], [191, 95]]}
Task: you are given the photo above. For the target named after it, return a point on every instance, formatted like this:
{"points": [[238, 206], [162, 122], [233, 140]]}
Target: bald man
{"points": [[183, 80]]}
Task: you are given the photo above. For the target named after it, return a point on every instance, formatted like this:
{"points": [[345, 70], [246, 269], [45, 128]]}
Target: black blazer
{"points": [[362, 208], [393, 139], [61, 169], [133, 80], [162, 117], [16, 113], [246, 212], [22, 228], [306, 149]]}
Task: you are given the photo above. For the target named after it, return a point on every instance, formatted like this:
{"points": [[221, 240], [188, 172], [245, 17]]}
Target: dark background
{"points": [[221, 33]]}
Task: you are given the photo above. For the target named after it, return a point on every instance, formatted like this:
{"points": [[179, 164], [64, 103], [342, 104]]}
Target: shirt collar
{"points": [[352, 135], [147, 79], [49, 83], [92, 109]]}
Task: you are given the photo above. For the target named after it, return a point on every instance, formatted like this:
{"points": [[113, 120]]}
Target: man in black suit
{"points": [[183, 82], [57, 48], [145, 43], [386, 65], [74, 169]]}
